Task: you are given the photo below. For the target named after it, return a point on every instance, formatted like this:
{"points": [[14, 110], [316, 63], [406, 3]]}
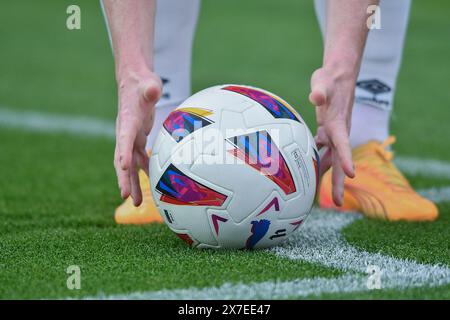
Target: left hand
{"points": [[333, 93]]}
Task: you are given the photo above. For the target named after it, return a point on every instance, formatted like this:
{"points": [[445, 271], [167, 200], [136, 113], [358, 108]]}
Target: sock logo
{"points": [[165, 95], [374, 87]]}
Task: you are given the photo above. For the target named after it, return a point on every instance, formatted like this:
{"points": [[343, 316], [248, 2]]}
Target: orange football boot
{"points": [[147, 212], [379, 190]]}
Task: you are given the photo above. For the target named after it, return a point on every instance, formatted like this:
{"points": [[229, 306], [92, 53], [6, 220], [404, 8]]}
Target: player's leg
{"points": [[379, 189], [379, 69], [175, 25]]}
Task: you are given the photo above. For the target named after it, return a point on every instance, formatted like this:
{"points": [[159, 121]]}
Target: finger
{"points": [[127, 135], [122, 177], [136, 192], [116, 149], [337, 180], [143, 161], [325, 160], [124, 183], [341, 145], [141, 156], [321, 138], [148, 124], [150, 92]]}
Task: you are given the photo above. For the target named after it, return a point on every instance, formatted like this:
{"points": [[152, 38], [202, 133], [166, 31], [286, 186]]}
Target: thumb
{"points": [[318, 95], [320, 88], [151, 90]]}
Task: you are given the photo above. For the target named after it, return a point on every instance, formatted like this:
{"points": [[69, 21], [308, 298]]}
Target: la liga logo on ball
{"points": [[222, 170]]}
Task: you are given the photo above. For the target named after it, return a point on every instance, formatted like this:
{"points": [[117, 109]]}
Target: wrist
{"points": [[132, 65], [342, 66], [132, 74]]}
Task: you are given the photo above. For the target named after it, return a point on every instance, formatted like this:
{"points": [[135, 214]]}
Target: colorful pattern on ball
{"points": [[276, 107], [258, 151], [185, 237], [177, 188], [182, 122], [297, 224], [274, 203], [259, 230], [215, 219]]}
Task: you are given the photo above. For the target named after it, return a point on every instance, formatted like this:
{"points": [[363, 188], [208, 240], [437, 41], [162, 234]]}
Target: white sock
{"points": [[175, 25], [379, 69], [368, 123]]}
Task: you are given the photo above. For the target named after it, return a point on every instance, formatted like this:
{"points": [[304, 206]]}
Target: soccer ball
{"points": [[234, 167]]}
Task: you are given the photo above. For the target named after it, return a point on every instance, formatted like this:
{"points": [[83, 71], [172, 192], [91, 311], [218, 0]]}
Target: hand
{"points": [[138, 95], [332, 93]]}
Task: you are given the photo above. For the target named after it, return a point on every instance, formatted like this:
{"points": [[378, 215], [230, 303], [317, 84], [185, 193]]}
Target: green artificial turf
{"points": [[52, 219], [58, 191]]}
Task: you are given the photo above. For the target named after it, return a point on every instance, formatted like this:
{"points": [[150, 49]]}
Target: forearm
{"points": [[131, 24], [346, 34]]}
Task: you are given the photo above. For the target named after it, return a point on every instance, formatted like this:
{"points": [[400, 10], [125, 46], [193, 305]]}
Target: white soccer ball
{"points": [[234, 167]]}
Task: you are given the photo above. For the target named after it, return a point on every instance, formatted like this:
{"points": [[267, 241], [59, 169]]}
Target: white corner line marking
{"points": [[319, 241], [88, 126], [42, 122]]}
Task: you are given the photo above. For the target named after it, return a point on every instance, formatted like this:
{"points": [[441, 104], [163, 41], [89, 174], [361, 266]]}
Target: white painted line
{"points": [[436, 194], [262, 290], [424, 167], [41, 122], [36, 121], [320, 242], [95, 127]]}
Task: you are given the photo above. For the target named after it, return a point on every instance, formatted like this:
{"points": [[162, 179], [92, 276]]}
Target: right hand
{"points": [[137, 94]]}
